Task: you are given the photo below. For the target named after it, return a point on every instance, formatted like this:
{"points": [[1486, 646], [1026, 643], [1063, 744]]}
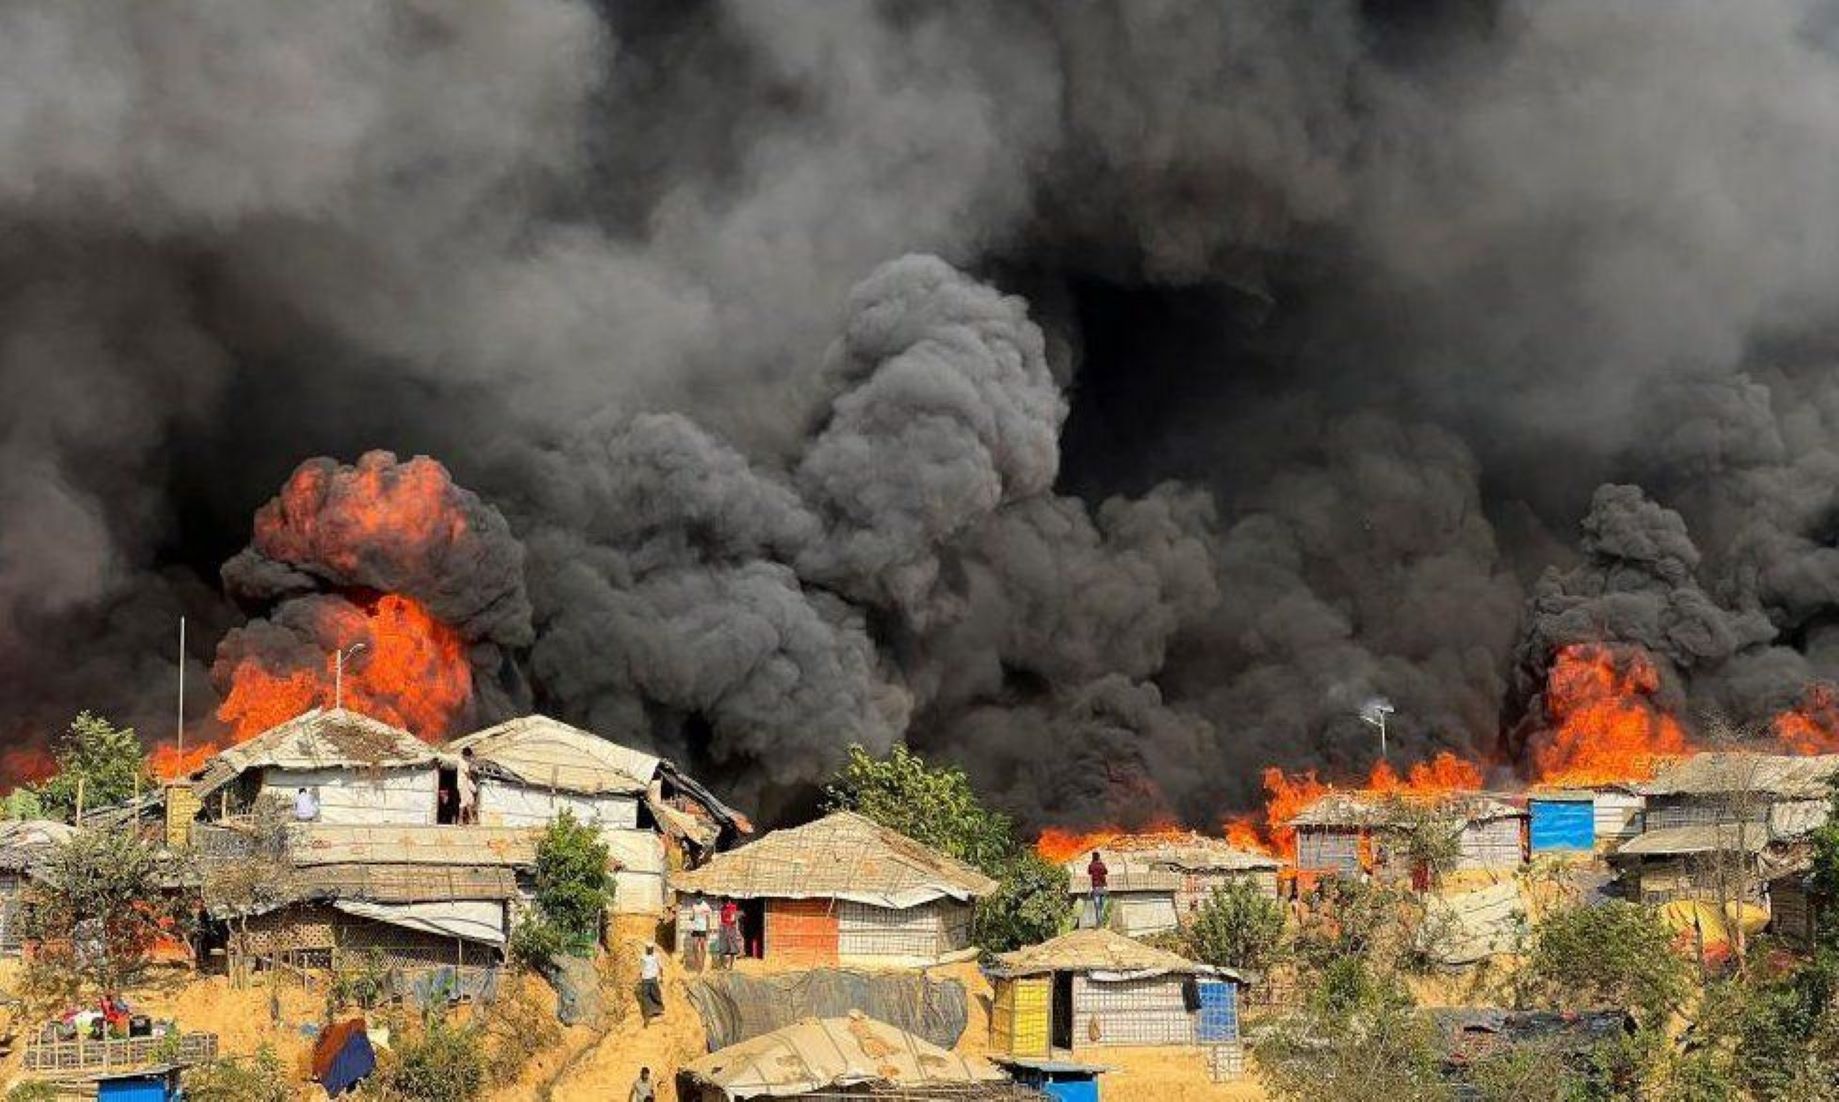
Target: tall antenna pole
{"points": [[180, 727]]}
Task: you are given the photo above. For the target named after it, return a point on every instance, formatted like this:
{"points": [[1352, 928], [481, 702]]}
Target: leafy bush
{"points": [[510, 1028], [938, 807], [107, 760], [33, 1090], [361, 980], [573, 886], [101, 901], [442, 1063], [536, 941], [1239, 926], [1617, 954], [1356, 1035], [260, 1078]]}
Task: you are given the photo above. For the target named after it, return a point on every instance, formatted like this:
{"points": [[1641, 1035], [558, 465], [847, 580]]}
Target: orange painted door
{"points": [[802, 930]]}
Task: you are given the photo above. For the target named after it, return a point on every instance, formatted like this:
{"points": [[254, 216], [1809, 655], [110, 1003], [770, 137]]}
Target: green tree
{"points": [[936, 806], [1356, 1035], [1239, 926], [1617, 954], [1823, 878], [573, 891], [106, 760], [100, 902]]}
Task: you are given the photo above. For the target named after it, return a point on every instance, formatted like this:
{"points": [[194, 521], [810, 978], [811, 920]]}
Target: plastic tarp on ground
{"points": [[736, 1008], [1474, 925], [343, 1056]]}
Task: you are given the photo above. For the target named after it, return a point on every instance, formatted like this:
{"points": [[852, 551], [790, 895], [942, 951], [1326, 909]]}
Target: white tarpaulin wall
{"points": [[502, 803], [1470, 926], [361, 796], [474, 920]]}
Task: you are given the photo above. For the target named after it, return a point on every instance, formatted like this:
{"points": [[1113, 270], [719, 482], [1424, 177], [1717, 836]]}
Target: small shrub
{"points": [[511, 1027], [361, 980], [1617, 954], [443, 1063], [537, 942], [33, 1090], [259, 1078], [1239, 926], [573, 887]]}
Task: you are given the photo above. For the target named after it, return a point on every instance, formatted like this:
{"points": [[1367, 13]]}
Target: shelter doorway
{"points": [[753, 927], [1061, 1035], [447, 797]]}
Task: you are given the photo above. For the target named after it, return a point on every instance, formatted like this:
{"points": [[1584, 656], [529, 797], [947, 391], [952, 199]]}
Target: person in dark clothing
{"points": [[1100, 891]]}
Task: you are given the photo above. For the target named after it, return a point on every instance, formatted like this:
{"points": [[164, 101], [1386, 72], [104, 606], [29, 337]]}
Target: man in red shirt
{"points": [[1098, 872]]}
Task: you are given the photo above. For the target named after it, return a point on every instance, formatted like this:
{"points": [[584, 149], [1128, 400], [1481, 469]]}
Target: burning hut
{"points": [[1345, 833], [841, 887], [855, 1057], [1096, 987], [530, 770], [1721, 824], [1156, 881]]}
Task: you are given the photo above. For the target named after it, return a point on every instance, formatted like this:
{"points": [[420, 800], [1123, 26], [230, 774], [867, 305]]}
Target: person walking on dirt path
{"points": [[701, 918], [1099, 874], [651, 984], [643, 1089]]}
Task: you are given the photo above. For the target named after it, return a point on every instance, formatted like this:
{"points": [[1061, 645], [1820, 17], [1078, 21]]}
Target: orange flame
{"points": [[339, 515], [1059, 845], [1605, 724], [413, 674], [1812, 727], [26, 764], [168, 764]]}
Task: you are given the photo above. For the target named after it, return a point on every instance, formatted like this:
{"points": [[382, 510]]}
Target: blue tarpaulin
{"points": [[1219, 1013], [354, 1060], [1562, 824], [143, 1088]]}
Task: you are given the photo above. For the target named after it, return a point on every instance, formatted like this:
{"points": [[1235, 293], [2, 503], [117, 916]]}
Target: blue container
{"points": [[1562, 824], [1219, 1012], [148, 1088], [1065, 1082]]}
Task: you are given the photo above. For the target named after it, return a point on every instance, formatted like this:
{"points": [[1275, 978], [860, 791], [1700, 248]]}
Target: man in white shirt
{"points": [[702, 916], [306, 808], [651, 986]]}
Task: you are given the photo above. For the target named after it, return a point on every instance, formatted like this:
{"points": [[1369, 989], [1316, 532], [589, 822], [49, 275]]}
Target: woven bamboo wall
{"points": [[803, 930], [1494, 844], [1666, 812], [928, 930], [308, 926], [1131, 1012], [1326, 849], [319, 927], [1019, 1016], [1790, 917]]}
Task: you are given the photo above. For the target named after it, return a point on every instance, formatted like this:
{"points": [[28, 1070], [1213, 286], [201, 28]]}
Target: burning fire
{"points": [[1812, 727], [26, 764], [389, 514], [413, 673], [1606, 726], [168, 764], [1060, 846]]}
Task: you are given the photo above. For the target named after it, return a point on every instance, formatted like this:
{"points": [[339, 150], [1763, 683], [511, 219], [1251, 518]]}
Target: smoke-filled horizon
{"points": [[1111, 398]]}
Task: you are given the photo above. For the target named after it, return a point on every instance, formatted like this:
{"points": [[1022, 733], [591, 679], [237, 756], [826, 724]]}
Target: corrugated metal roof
{"points": [[841, 856], [815, 1054], [342, 844], [1098, 950], [1720, 773], [1696, 839], [547, 753]]}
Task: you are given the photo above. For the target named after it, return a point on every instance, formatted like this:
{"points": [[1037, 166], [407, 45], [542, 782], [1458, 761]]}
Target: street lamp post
{"points": [[1374, 712], [338, 673]]}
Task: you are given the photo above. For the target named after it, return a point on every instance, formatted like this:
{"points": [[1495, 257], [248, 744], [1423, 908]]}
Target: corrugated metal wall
{"points": [[801, 930], [1019, 1016], [1619, 815], [1323, 849], [1562, 825], [361, 796], [1131, 1012]]}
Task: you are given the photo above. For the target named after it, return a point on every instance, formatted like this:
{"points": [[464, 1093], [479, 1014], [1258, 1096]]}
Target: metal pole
{"points": [[180, 728], [1382, 736], [338, 678]]}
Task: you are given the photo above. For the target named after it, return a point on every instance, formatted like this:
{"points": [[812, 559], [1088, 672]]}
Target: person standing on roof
{"points": [[306, 808], [1100, 893], [702, 916], [651, 984], [469, 788]]}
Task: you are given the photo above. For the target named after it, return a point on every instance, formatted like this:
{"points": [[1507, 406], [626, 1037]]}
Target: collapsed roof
{"points": [[841, 856], [817, 1054]]}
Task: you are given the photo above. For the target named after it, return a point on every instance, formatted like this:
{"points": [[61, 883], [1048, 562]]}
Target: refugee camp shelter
{"points": [[1156, 881], [1098, 987], [1060, 1080], [359, 770], [849, 1057], [23, 844], [1344, 833], [1579, 820], [422, 897], [841, 887], [1692, 862], [531, 769]]}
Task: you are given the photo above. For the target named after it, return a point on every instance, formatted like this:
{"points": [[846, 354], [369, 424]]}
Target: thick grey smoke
{"points": [[1337, 317]]}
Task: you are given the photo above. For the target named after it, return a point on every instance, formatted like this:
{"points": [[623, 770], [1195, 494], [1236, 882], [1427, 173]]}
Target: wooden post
{"points": [[80, 782]]}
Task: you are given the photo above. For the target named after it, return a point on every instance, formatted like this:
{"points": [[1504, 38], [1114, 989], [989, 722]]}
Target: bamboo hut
{"points": [[1157, 881], [1345, 833], [843, 887]]}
